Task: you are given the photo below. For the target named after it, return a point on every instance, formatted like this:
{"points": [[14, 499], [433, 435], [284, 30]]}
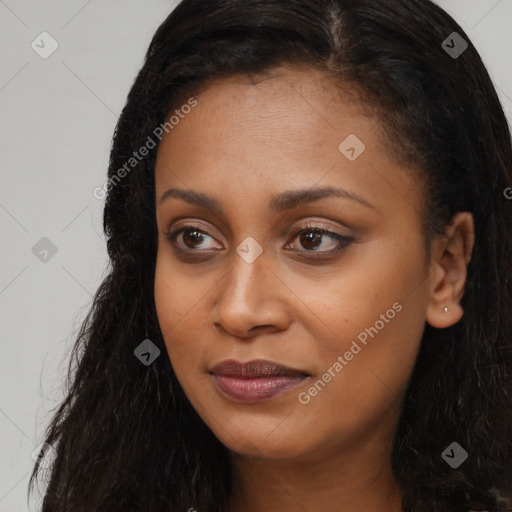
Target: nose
{"points": [[252, 300]]}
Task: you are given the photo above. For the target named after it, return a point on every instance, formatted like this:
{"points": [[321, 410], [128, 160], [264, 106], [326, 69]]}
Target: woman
{"points": [[309, 300]]}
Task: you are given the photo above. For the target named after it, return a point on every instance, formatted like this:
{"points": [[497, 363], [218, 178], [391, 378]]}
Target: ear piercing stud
{"points": [[446, 310]]}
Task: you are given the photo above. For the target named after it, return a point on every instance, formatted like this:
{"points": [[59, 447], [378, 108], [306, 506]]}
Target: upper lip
{"points": [[254, 368]]}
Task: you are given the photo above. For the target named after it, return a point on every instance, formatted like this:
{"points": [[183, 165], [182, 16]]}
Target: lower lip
{"points": [[257, 389]]}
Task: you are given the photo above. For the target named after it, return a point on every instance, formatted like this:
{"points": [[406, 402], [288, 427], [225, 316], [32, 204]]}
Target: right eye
{"points": [[191, 239]]}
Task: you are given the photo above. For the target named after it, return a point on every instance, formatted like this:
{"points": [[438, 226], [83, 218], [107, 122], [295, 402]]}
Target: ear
{"points": [[451, 255]]}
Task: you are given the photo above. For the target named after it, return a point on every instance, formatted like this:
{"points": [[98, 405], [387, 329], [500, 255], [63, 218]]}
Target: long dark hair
{"points": [[126, 437]]}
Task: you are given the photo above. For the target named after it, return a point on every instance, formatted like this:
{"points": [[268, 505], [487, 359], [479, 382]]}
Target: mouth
{"points": [[255, 380]]}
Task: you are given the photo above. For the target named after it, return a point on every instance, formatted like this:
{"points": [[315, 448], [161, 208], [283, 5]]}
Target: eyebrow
{"points": [[279, 203]]}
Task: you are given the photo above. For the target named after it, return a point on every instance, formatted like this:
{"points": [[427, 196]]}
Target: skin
{"points": [[243, 143]]}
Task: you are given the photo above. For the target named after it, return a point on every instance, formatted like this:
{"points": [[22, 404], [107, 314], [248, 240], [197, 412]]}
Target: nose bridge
{"points": [[247, 278]]}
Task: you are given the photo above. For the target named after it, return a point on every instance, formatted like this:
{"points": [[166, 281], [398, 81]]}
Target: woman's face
{"points": [[347, 308]]}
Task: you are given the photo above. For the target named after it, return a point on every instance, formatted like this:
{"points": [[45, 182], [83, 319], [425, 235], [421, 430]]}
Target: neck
{"points": [[350, 481]]}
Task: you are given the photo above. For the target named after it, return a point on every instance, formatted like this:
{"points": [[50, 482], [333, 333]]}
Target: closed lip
{"points": [[255, 369]]}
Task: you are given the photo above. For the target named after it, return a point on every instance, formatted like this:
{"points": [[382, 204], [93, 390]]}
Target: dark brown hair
{"points": [[126, 437]]}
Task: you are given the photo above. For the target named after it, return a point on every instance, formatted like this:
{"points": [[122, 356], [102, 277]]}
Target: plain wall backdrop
{"points": [[66, 68]]}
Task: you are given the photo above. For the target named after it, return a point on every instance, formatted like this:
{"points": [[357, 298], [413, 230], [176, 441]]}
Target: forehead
{"points": [[303, 97], [287, 113], [286, 129]]}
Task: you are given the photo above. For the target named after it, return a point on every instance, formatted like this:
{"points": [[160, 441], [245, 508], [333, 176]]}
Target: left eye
{"points": [[311, 238]]}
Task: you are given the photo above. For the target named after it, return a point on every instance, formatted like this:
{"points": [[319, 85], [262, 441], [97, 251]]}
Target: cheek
{"points": [[373, 277], [373, 316], [171, 299], [180, 301], [177, 293], [363, 369], [366, 387], [167, 307]]}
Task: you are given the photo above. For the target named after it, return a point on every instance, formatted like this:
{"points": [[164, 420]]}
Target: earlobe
{"points": [[443, 317], [450, 259]]}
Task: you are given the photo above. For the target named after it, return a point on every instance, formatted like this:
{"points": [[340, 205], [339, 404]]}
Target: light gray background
{"points": [[57, 119]]}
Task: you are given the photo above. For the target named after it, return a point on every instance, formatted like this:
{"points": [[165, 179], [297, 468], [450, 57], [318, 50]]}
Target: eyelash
{"points": [[343, 241]]}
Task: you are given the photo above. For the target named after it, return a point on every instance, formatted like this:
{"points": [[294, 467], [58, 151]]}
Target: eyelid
{"points": [[318, 225], [185, 223]]}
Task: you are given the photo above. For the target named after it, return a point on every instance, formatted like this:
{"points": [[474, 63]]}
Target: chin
{"points": [[259, 444]]}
